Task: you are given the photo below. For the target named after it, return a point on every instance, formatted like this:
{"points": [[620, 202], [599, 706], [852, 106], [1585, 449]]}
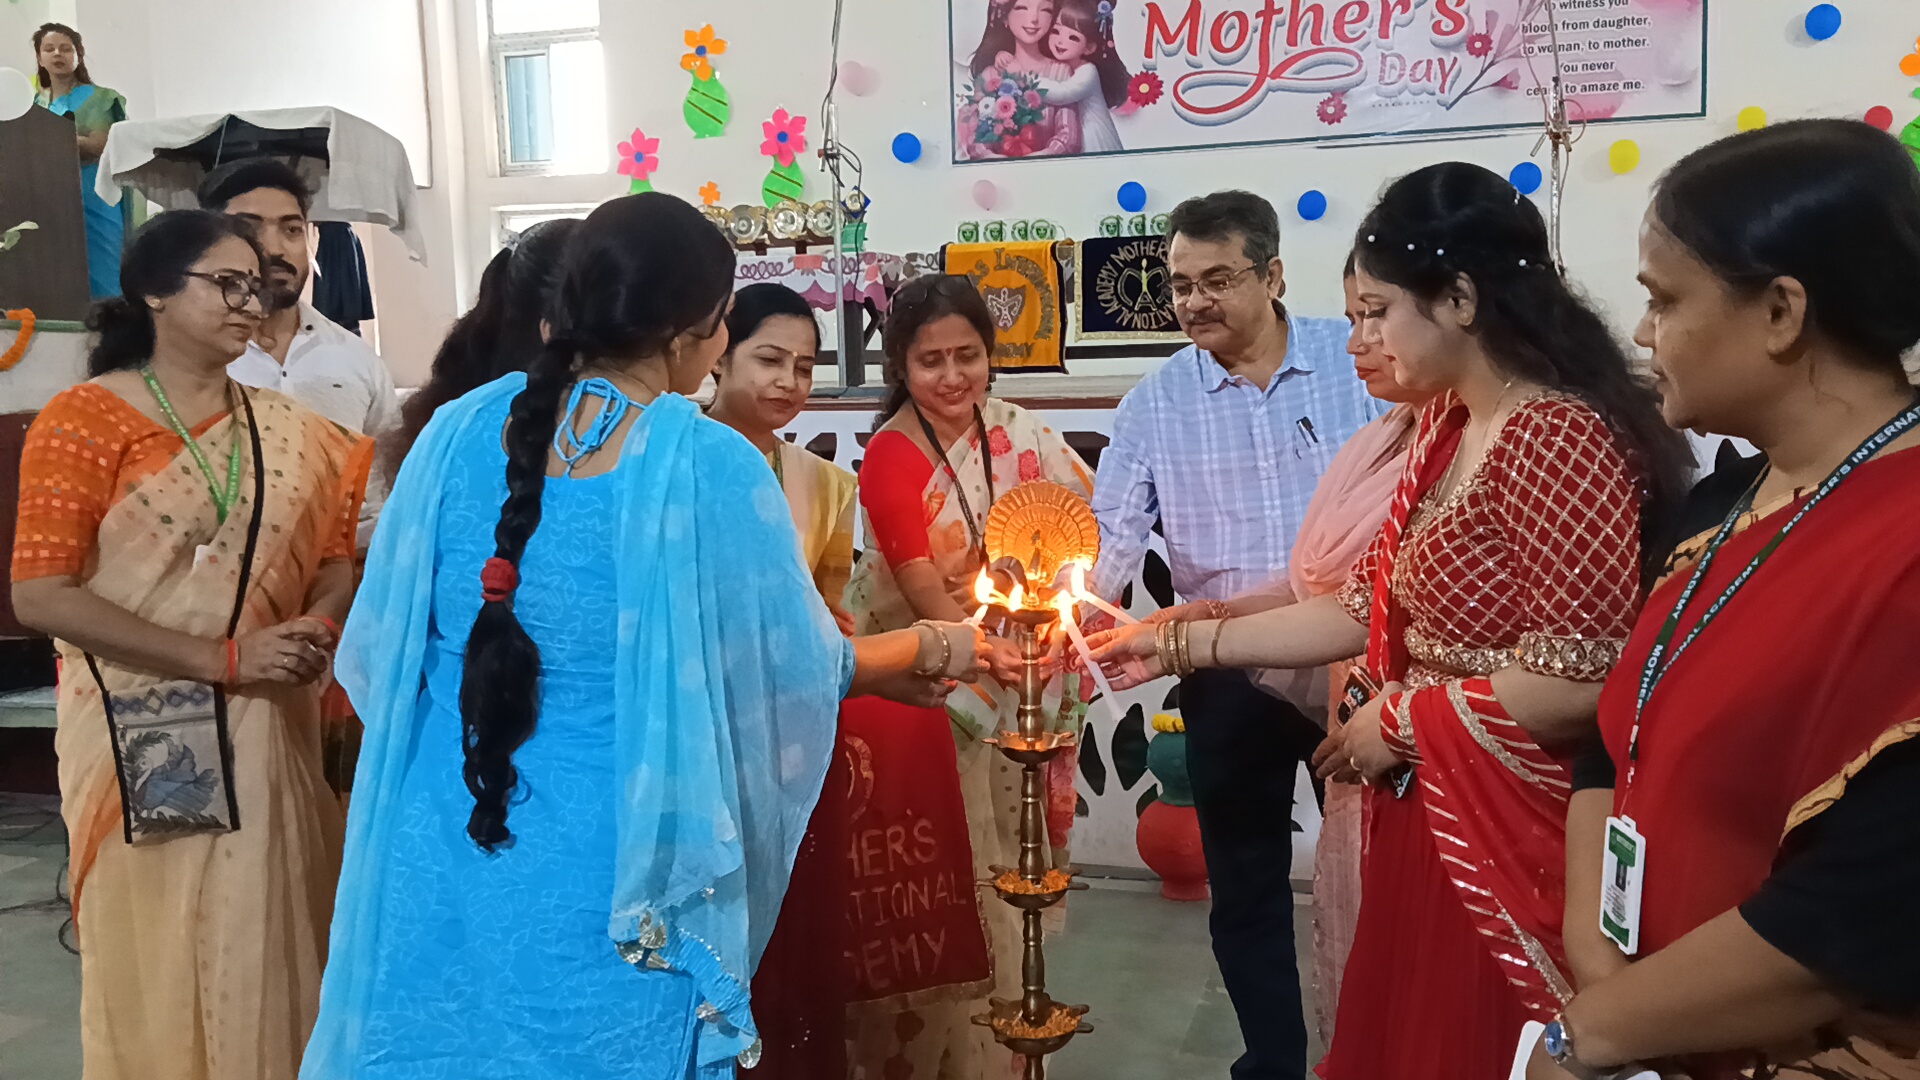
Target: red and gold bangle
{"points": [[1398, 734], [233, 662], [329, 624]]}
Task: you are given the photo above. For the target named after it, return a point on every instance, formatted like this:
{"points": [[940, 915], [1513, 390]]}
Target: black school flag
{"points": [[1124, 292]]}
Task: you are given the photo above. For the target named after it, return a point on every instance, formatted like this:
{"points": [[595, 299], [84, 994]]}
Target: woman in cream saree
{"points": [[200, 953], [919, 509]]}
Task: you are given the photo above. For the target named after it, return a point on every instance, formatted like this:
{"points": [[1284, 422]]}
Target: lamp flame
{"points": [[983, 588], [1015, 601]]}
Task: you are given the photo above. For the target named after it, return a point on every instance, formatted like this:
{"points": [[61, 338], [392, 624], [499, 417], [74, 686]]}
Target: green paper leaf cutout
{"points": [[783, 182], [639, 186], [707, 108], [1910, 136]]}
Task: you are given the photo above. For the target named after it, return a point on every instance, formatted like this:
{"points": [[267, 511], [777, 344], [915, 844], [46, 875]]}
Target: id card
{"points": [[1624, 871]]}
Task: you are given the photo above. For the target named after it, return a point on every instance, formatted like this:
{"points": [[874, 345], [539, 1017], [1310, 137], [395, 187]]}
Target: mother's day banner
{"points": [[1054, 78]]}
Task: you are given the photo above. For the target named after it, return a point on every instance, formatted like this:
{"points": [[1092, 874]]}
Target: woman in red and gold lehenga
{"points": [[1491, 605]]}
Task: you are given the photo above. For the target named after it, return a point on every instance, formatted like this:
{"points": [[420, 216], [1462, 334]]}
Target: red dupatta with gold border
{"points": [[1496, 800]]}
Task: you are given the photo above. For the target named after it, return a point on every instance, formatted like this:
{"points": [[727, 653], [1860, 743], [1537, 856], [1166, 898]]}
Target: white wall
{"points": [[198, 55]]}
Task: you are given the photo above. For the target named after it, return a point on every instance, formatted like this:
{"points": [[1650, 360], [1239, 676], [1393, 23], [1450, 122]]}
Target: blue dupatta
{"points": [[730, 673]]}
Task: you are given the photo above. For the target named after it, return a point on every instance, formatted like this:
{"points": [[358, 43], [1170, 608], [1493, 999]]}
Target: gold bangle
{"points": [[1183, 645], [1218, 629]]}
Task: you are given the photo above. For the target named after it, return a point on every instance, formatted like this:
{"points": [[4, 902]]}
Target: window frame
{"points": [[499, 48], [512, 210]]}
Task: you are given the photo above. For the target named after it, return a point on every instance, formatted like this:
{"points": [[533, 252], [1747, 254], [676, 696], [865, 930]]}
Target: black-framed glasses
{"points": [[236, 289], [1214, 286]]}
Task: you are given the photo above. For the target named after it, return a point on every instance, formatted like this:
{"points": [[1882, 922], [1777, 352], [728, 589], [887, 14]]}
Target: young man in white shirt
{"points": [[298, 351]]}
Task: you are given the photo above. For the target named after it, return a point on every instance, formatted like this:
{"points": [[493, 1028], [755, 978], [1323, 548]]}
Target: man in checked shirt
{"points": [[1223, 445]]}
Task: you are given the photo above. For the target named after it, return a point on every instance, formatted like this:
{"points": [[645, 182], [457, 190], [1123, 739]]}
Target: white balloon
{"points": [[16, 94]]}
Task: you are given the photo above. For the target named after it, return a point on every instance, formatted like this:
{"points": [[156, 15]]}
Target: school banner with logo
{"points": [[1064, 78]]}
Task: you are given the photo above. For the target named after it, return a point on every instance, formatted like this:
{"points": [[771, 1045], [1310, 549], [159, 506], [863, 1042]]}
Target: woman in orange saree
{"points": [[202, 933], [1490, 606]]}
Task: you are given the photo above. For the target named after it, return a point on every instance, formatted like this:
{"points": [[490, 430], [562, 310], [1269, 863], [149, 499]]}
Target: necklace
{"points": [[1445, 489], [223, 498]]}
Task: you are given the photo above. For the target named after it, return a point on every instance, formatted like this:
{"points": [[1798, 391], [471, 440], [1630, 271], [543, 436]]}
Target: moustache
{"points": [[276, 264]]}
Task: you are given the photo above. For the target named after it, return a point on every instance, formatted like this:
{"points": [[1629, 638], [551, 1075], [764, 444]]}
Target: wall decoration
{"points": [[1021, 285], [1623, 156], [1123, 290], [710, 194], [870, 276], [1312, 206], [1155, 75], [1910, 63], [1751, 118], [1881, 117], [1526, 176], [638, 160], [1132, 196], [859, 79], [986, 194], [993, 232], [707, 107], [1822, 21], [906, 148], [1111, 225], [1159, 225], [786, 136]]}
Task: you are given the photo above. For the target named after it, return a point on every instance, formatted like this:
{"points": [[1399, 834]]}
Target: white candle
{"points": [[1086, 657], [1078, 585]]}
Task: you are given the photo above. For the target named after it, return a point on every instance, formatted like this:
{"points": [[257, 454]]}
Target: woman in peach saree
{"points": [[202, 933]]}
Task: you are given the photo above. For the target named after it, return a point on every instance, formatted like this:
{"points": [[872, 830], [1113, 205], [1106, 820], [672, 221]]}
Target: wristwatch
{"points": [[1558, 1043]]}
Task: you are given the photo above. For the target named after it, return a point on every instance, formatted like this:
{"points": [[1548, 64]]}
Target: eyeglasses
{"points": [[1214, 286], [235, 289]]}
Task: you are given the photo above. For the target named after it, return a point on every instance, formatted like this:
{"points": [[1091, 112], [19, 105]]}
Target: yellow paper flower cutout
{"points": [[703, 47]]}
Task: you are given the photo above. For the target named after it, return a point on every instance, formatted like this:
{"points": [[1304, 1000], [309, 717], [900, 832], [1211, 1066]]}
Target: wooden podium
{"points": [[47, 270]]}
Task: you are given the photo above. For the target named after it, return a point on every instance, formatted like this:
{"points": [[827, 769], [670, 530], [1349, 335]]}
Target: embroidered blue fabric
{"points": [[691, 678]]}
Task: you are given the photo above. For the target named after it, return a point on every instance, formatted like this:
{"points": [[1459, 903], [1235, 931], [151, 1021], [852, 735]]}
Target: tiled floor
{"points": [[1143, 963]]}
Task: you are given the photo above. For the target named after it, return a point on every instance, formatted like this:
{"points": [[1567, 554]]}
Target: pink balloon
{"points": [[986, 194], [858, 78]]}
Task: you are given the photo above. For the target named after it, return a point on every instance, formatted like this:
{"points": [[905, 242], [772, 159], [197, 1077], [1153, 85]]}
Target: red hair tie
{"points": [[498, 579]]}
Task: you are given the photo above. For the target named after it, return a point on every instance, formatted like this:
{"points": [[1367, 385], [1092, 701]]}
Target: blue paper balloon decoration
{"points": [[1823, 21], [906, 147], [1313, 206], [1133, 197], [1526, 177]]}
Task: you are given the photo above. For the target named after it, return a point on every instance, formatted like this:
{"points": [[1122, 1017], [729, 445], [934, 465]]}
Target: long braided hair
{"points": [[640, 272]]}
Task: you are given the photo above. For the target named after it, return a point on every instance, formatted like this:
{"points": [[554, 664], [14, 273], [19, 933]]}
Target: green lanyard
{"points": [[222, 500], [1660, 660]]}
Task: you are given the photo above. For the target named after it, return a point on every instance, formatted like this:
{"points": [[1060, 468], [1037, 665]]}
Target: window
{"points": [[550, 86], [511, 221]]}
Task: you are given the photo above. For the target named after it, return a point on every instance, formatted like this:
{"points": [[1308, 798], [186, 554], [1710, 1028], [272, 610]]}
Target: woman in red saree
{"points": [[1489, 607], [1767, 758]]}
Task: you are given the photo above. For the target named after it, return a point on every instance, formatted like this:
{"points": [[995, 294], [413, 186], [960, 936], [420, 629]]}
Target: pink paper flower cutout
{"points": [[786, 136], [637, 155], [1333, 108]]}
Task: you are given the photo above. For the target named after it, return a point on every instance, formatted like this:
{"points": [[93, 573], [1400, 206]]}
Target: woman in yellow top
{"points": [[761, 384], [799, 990]]}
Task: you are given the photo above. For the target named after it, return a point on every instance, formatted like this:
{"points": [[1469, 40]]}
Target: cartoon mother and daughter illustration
{"points": [[1046, 79]]}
